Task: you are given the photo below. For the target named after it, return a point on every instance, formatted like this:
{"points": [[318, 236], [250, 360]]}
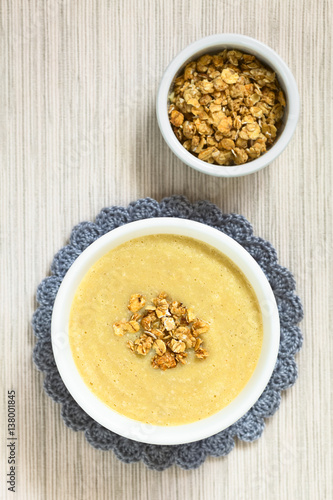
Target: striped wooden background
{"points": [[78, 132]]}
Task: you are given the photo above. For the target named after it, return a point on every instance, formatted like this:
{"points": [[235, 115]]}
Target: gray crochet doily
{"points": [[251, 425]]}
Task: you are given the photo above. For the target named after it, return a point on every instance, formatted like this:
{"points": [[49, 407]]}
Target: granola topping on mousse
{"points": [[166, 326]]}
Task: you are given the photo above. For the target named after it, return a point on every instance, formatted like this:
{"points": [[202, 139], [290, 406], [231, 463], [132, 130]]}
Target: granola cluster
{"points": [[226, 108], [166, 326]]}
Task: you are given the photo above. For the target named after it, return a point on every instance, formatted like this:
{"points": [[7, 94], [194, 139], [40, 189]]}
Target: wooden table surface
{"points": [[78, 132]]}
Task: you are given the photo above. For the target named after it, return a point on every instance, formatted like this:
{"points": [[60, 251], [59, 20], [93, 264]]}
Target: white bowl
{"points": [[126, 426], [265, 54]]}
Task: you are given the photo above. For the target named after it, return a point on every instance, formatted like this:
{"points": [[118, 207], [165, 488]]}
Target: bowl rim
{"points": [[265, 54], [133, 429]]}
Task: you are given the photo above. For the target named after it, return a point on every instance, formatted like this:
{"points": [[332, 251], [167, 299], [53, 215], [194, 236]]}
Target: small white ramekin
{"points": [[131, 428], [265, 54]]}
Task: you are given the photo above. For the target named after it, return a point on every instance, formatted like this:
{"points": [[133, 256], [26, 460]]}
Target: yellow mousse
{"points": [[191, 272]]}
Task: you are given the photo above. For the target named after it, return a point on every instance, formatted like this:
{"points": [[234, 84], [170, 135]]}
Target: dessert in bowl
{"points": [[165, 331]]}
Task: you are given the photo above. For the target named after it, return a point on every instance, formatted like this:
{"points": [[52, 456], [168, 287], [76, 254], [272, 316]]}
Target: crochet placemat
{"points": [[251, 425]]}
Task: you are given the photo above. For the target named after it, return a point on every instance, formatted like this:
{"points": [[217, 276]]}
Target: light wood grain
{"points": [[78, 132]]}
